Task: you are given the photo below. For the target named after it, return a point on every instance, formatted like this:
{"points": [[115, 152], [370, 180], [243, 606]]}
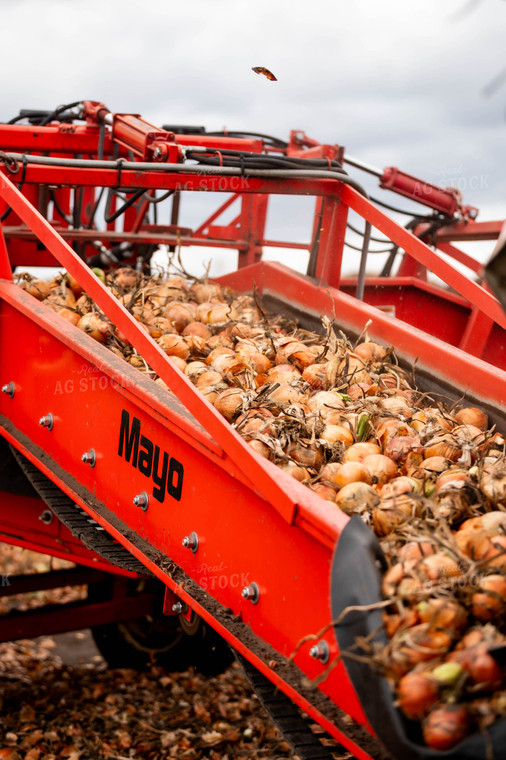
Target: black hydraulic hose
{"points": [[295, 160], [391, 208], [58, 207], [162, 198], [135, 197], [260, 162], [359, 248], [60, 109], [359, 232]]}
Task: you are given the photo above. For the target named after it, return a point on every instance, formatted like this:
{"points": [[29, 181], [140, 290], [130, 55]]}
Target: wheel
{"points": [[167, 640]]}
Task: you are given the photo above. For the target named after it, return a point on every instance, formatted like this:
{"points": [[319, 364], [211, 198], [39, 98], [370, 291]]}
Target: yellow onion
{"points": [[472, 416], [229, 402], [197, 328], [446, 726], [336, 433], [400, 446], [174, 345], [325, 402], [295, 470], [206, 291], [399, 485], [285, 348], [357, 497], [350, 472], [353, 369], [69, 316], [493, 484], [210, 377], [416, 550], [315, 376], [417, 693], [126, 278], [324, 491], [283, 373], [357, 452], [370, 351], [261, 448], [305, 356], [283, 396], [438, 567], [329, 471], [95, 327], [194, 369], [443, 446], [381, 467], [39, 289], [489, 601], [304, 454], [180, 314], [396, 405]]}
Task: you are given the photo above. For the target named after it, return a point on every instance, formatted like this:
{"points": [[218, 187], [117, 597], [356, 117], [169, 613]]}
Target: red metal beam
{"points": [[25, 584], [474, 293], [60, 618], [460, 256], [470, 231]]}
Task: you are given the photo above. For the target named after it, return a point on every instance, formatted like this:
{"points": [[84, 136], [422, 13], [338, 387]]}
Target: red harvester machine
{"points": [[206, 542]]}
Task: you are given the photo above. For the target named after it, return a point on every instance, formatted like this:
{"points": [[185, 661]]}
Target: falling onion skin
{"points": [[345, 420]]}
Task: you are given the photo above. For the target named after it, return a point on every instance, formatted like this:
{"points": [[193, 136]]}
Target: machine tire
{"points": [[166, 640]]}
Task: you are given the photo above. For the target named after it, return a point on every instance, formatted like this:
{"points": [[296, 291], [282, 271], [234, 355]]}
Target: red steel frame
{"points": [[254, 523]]}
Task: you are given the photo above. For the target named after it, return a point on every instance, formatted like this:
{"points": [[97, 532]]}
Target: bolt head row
{"points": [[251, 593], [89, 457], [8, 389], [141, 500], [191, 542], [47, 421], [320, 651]]}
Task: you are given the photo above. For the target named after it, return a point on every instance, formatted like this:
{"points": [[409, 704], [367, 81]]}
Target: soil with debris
{"points": [[52, 709]]}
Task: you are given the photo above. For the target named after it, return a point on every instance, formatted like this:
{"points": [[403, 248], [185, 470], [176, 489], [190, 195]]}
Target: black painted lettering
{"points": [[159, 481], [129, 437], [175, 479], [145, 456]]}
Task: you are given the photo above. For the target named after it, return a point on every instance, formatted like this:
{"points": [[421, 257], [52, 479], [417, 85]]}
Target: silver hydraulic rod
{"points": [[362, 165]]}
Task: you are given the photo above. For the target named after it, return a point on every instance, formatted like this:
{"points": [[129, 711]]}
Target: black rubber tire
{"points": [[166, 640]]}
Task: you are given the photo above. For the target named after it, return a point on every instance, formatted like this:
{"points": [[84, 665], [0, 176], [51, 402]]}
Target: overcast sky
{"points": [[419, 84]]}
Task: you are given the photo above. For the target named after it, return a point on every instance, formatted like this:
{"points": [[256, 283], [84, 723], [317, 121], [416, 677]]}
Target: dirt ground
{"points": [[58, 699]]}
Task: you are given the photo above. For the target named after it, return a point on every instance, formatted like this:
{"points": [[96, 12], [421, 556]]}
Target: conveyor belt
{"points": [[288, 718], [80, 524]]}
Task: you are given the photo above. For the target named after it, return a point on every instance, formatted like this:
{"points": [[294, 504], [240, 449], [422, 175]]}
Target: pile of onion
{"points": [[345, 420]]}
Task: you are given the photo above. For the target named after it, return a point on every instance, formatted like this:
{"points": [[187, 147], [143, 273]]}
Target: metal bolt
{"points": [[191, 542], [47, 421], [46, 517], [8, 389], [142, 500], [251, 593], [180, 608], [320, 651], [89, 457], [157, 152]]}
